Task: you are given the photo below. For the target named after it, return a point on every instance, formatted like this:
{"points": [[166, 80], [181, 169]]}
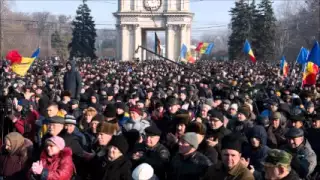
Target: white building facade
{"points": [[136, 17]]}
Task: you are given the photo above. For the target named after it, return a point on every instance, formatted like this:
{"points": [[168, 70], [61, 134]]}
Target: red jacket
{"points": [[28, 126], [58, 167]]}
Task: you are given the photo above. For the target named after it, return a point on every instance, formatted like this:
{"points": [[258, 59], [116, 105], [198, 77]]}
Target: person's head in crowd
{"points": [[159, 107], [149, 93], [173, 105], [120, 108], [110, 95], [264, 121], [297, 121], [217, 101], [56, 125], [69, 65], [207, 106], [243, 113], [34, 88], [89, 113], [66, 96], [118, 147], [188, 143], [231, 147], [54, 145], [14, 141], [99, 118], [94, 99], [316, 122], [233, 110], [275, 120], [273, 106], [277, 164], [215, 119], [70, 123], [310, 107], [135, 113], [140, 104], [198, 128], [74, 104], [153, 134], [183, 95], [110, 113], [226, 104], [295, 137], [105, 131], [257, 138], [182, 121], [143, 172]]}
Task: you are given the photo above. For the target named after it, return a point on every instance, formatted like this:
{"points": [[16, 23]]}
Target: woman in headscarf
{"points": [[14, 156], [55, 162]]}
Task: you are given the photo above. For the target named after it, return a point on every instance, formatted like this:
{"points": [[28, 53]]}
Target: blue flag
{"points": [[36, 53], [282, 61], [183, 51], [302, 56], [209, 48], [314, 55]]}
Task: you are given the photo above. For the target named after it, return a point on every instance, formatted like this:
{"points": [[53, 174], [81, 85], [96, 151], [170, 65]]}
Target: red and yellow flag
{"points": [[310, 74]]}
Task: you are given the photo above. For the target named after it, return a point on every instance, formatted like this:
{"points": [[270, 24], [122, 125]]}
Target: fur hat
{"points": [[120, 142]]}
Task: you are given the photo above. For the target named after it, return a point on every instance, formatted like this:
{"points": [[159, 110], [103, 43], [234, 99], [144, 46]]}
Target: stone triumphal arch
{"points": [[136, 17]]}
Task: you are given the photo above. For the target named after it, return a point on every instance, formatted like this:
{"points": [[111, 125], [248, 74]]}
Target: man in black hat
{"points": [[75, 110], [304, 158], [231, 166], [154, 153], [72, 80]]}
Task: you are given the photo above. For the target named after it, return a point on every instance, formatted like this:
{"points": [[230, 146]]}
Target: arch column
{"points": [[125, 42], [170, 41], [137, 39]]}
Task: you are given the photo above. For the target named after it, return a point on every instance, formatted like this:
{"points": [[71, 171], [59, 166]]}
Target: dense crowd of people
{"points": [[154, 120]]}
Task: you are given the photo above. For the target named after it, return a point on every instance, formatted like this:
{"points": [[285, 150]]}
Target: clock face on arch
{"points": [[152, 5]]}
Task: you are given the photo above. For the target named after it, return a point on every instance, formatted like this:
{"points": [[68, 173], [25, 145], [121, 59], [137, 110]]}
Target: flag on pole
{"points": [[247, 50], [284, 66], [209, 49], [183, 53], [157, 48], [310, 74], [302, 56], [314, 55], [190, 58], [21, 65]]}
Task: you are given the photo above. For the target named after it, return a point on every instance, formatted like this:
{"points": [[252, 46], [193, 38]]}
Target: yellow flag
{"points": [[23, 67]]}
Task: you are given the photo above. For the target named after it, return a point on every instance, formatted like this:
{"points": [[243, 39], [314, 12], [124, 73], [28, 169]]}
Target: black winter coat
{"points": [[104, 169], [192, 167], [158, 157], [72, 81]]}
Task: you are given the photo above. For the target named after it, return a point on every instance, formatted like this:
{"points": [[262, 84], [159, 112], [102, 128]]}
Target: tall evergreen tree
{"points": [[265, 26], [254, 27], [84, 34], [240, 29]]}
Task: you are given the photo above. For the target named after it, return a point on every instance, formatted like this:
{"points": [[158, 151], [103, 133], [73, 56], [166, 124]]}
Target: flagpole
{"points": [[295, 63]]}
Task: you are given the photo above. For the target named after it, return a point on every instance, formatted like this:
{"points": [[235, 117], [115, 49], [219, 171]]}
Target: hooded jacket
{"points": [[72, 81], [59, 166]]}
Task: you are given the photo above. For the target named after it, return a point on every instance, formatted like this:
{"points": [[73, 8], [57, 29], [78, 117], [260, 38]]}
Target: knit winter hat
{"points": [[137, 110], [245, 111], [120, 142], [143, 172], [58, 141], [191, 138], [69, 119]]}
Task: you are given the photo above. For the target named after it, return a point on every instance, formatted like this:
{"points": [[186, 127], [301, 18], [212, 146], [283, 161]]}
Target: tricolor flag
{"points": [[186, 55], [247, 50], [284, 66], [202, 47], [157, 48], [20, 65], [209, 48], [314, 55], [310, 74]]}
